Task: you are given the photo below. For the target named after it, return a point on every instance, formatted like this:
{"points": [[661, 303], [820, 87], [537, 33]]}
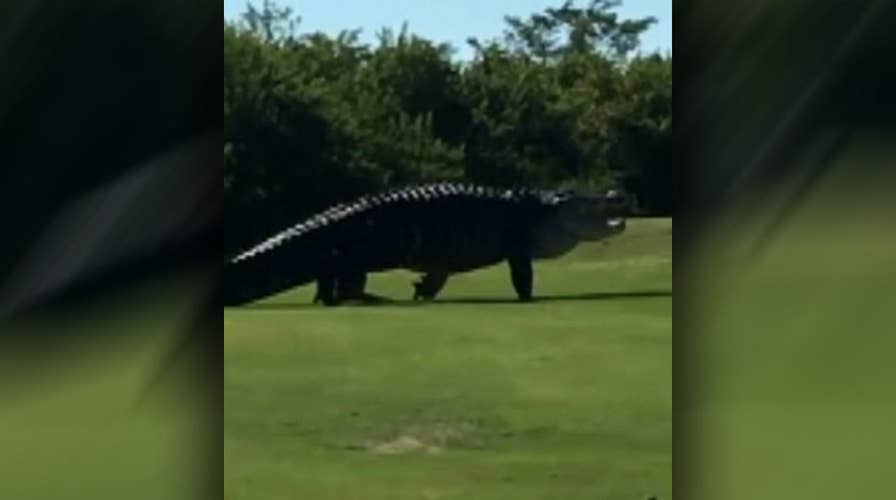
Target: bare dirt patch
{"points": [[433, 438]]}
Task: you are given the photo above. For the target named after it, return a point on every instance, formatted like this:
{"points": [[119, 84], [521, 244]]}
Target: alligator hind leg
{"points": [[429, 285], [326, 291], [350, 286], [521, 276], [347, 287]]}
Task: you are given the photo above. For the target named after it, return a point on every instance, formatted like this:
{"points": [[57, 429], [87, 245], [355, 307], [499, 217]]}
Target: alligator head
{"points": [[580, 217]]}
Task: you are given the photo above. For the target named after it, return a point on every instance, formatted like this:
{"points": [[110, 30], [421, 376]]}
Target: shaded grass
{"points": [[473, 396]]}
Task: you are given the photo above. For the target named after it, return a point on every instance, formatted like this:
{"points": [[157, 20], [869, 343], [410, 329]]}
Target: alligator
{"points": [[436, 230]]}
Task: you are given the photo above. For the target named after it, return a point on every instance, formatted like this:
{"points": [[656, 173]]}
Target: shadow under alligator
{"points": [[638, 294]]}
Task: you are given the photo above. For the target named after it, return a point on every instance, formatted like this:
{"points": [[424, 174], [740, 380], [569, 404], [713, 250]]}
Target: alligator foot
{"points": [[346, 287], [328, 300], [367, 299], [326, 292], [429, 285]]}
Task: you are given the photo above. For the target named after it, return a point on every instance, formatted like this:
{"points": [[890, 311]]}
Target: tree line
{"points": [[563, 99]]}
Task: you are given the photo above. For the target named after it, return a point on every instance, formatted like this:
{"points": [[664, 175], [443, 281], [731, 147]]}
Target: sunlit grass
{"points": [[473, 396]]}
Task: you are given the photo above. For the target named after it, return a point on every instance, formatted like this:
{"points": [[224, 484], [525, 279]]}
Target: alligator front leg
{"points": [[522, 276], [429, 285]]}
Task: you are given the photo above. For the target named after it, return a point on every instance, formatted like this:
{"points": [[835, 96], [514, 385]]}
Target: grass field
{"points": [[471, 397]]}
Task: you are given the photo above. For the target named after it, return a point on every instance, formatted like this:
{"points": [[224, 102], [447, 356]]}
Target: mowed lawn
{"points": [[473, 396]]}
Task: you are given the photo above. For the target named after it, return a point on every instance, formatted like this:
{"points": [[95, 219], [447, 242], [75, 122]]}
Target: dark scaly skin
{"points": [[346, 288], [429, 285], [437, 230]]}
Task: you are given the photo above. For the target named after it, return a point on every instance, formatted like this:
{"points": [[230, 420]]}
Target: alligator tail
{"points": [[268, 269]]}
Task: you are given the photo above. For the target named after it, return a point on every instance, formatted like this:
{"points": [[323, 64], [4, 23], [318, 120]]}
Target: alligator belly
{"points": [[456, 255], [453, 264]]}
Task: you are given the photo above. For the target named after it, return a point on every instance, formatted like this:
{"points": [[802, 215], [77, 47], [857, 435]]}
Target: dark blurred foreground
{"points": [[110, 353], [787, 392], [111, 357], [786, 259]]}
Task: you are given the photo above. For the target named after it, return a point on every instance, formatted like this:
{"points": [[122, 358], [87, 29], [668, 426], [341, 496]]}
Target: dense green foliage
{"points": [[564, 99]]}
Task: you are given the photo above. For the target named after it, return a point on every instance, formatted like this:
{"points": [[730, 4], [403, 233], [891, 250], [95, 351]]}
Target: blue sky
{"points": [[449, 20]]}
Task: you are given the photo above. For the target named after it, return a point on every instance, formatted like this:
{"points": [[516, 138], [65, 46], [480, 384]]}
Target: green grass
{"points": [[471, 397]]}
